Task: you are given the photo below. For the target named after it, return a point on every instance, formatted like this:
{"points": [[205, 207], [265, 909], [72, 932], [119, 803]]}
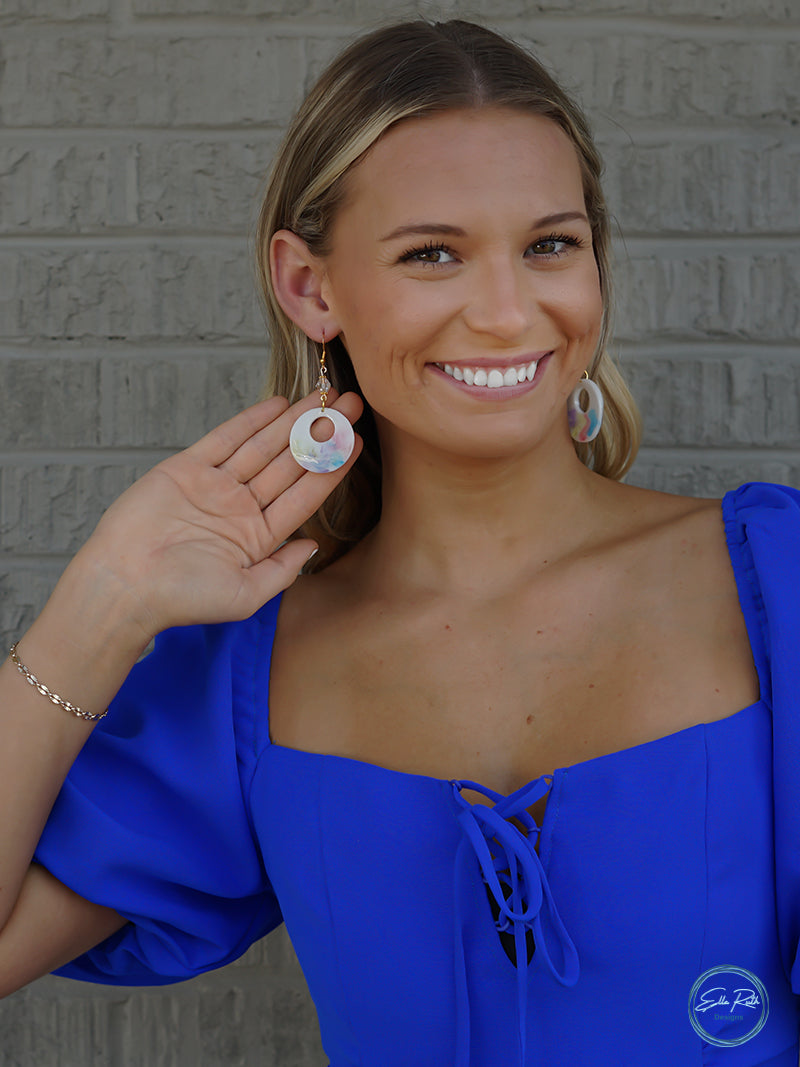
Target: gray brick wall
{"points": [[134, 136]]}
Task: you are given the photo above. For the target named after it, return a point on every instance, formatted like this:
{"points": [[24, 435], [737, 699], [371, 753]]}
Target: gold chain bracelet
{"points": [[40, 687]]}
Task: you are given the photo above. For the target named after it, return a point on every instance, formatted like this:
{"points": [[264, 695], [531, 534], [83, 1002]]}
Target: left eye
{"points": [[431, 255], [551, 247]]}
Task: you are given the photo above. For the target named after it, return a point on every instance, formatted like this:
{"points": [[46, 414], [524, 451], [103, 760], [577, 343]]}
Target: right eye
{"points": [[433, 254]]}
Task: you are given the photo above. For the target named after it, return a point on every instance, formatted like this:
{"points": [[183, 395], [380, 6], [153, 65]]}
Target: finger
{"points": [[267, 442], [300, 500], [266, 579], [262, 447], [276, 477], [221, 443], [280, 570]]}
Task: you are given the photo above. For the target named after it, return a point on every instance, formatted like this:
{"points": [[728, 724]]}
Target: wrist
{"points": [[86, 639], [44, 690], [109, 613]]}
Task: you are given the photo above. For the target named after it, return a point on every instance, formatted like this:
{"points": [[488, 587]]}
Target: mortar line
{"points": [[180, 240], [327, 27]]}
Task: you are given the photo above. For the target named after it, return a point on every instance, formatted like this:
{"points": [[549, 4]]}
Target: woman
{"points": [[514, 759]]}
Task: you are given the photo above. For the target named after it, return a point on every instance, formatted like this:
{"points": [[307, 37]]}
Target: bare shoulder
{"points": [[656, 503], [673, 551], [646, 516], [676, 598], [670, 559]]}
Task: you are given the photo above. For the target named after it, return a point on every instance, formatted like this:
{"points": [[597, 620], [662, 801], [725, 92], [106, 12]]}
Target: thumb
{"points": [[273, 575]]}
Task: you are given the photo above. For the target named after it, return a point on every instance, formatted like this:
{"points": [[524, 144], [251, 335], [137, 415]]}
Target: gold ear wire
{"points": [[322, 382]]}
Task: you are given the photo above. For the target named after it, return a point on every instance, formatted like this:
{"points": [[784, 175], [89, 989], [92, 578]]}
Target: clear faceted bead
{"points": [[323, 384]]}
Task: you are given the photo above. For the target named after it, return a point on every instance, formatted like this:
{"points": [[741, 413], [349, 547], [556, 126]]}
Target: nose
{"points": [[499, 300]]}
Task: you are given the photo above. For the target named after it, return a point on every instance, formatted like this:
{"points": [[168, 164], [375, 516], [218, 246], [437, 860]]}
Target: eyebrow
{"points": [[443, 229]]}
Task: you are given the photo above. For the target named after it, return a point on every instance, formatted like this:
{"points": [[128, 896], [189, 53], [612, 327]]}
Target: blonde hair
{"points": [[410, 69]]}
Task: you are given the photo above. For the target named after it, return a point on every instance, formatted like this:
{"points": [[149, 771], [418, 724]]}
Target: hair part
{"points": [[409, 70]]}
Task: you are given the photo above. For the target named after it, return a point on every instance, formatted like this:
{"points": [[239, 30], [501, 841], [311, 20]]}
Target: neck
{"points": [[450, 524]]}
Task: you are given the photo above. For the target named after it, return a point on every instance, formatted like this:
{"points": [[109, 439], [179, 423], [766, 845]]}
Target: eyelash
{"points": [[436, 246], [558, 238]]}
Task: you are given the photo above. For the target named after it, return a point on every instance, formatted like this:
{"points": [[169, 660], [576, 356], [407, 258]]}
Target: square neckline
{"points": [[752, 612]]}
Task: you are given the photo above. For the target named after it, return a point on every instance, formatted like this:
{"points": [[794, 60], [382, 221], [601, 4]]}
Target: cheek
{"points": [[378, 353], [592, 317], [580, 307], [365, 309], [389, 334]]}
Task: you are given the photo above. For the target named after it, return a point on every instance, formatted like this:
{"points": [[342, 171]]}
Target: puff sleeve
{"points": [[153, 818], [764, 523]]}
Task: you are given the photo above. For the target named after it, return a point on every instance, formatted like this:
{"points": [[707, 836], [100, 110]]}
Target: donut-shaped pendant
{"points": [[322, 456], [585, 423]]}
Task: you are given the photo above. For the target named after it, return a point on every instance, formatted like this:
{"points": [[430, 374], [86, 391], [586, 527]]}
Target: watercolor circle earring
{"points": [[585, 423], [322, 456]]}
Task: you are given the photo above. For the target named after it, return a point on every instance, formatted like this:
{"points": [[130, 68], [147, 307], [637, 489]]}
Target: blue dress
{"points": [[655, 864]]}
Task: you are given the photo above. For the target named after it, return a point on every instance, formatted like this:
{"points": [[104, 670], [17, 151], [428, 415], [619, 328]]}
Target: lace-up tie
{"points": [[507, 856]]}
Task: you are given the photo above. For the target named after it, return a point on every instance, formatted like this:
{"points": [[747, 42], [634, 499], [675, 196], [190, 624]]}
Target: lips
{"points": [[491, 377]]}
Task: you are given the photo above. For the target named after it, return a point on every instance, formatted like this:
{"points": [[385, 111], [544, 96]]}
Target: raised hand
{"points": [[199, 538]]}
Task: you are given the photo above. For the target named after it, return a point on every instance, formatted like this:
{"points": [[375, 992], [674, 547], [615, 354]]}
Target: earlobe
{"points": [[297, 276]]}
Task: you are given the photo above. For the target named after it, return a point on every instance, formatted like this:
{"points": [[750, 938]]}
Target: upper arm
{"points": [[137, 828], [49, 926]]}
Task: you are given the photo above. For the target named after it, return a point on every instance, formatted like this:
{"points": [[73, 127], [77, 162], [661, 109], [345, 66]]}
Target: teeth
{"points": [[494, 378]]}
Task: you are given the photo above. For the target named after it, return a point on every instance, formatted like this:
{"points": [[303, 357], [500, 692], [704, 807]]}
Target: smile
{"points": [[491, 377]]}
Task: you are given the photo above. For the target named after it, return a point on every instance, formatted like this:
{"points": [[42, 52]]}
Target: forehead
{"points": [[464, 159]]}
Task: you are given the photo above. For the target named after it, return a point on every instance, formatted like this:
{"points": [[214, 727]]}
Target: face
{"points": [[463, 279]]}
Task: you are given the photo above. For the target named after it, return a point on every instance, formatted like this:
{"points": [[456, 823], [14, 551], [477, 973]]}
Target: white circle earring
{"points": [[585, 423], [322, 456]]}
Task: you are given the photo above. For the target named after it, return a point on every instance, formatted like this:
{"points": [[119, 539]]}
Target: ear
{"points": [[297, 276]]}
